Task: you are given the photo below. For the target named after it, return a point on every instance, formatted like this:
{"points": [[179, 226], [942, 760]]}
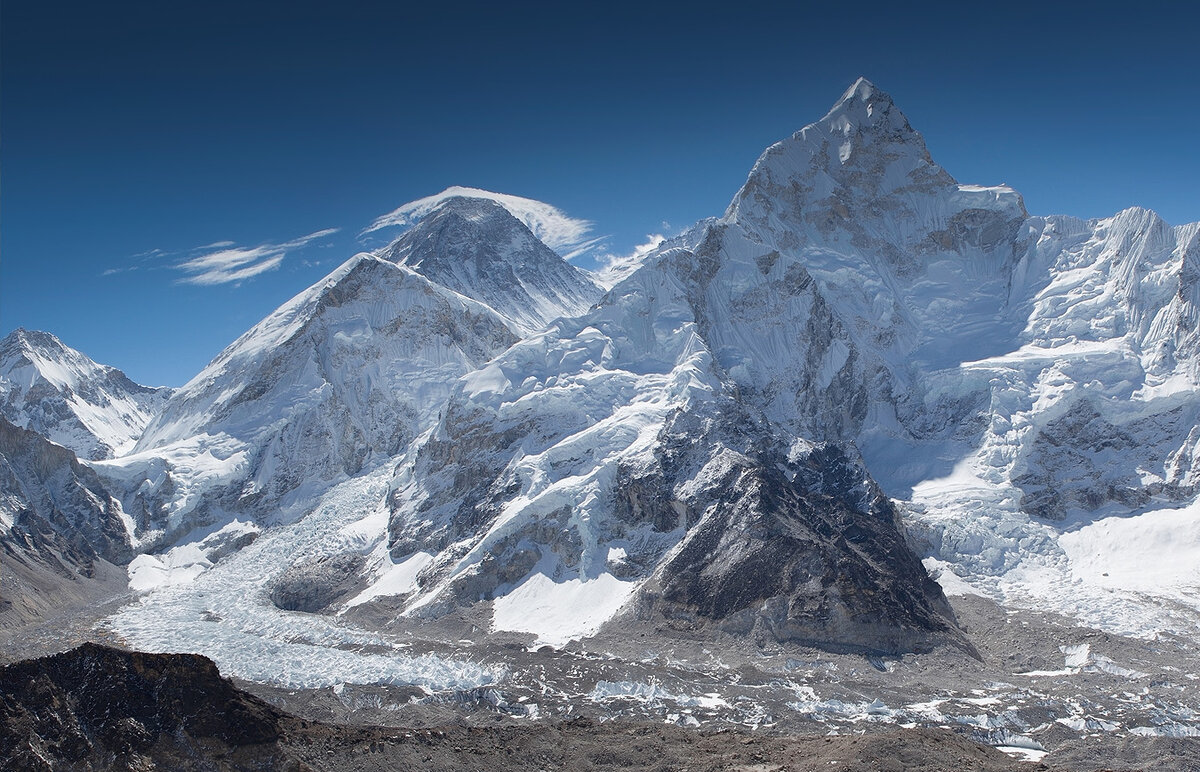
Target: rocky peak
{"points": [[62, 394], [477, 248], [22, 339], [864, 108]]}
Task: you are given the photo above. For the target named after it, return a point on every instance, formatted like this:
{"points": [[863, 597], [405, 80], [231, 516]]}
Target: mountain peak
{"points": [[22, 338], [863, 90], [65, 396], [479, 248], [864, 106], [566, 235]]}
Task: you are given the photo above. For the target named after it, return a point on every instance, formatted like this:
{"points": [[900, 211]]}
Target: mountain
{"points": [[684, 446], [345, 375], [477, 248], [61, 531], [1016, 381], [783, 424], [998, 373], [342, 377], [48, 387]]}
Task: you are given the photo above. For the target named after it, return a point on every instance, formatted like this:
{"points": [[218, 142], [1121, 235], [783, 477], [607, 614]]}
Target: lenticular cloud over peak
{"points": [[566, 235]]}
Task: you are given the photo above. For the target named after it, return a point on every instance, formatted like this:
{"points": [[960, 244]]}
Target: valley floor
{"points": [[1042, 690]]}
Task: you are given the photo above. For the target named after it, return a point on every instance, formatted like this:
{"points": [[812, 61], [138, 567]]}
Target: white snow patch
{"points": [[1022, 753], [1076, 655], [952, 584], [397, 579], [558, 612], [1156, 551], [180, 565]]}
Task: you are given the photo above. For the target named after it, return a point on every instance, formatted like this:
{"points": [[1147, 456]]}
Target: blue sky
{"points": [[172, 172]]}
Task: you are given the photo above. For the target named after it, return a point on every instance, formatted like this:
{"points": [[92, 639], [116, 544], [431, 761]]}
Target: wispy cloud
{"points": [[136, 262], [231, 263], [569, 236], [613, 268]]}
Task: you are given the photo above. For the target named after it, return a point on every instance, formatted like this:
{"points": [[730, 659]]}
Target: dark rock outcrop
{"points": [[96, 708], [797, 546], [312, 585]]}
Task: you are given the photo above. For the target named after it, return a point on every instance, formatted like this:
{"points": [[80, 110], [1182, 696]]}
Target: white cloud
{"points": [[614, 268], [139, 260], [231, 263], [568, 236]]}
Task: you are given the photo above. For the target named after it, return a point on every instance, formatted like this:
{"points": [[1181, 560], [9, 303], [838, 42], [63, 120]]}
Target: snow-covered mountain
{"points": [[61, 394], [61, 532], [347, 374], [341, 377], [1001, 372], [762, 426], [1021, 379], [477, 248]]}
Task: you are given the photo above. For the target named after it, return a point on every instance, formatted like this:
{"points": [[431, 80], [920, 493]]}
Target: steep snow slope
{"points": [[340, 377], [477, 248], [94, 410], [346, 374]]}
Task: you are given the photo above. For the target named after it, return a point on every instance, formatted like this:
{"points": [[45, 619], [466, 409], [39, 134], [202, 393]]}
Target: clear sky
{"points": [[135, 134]]}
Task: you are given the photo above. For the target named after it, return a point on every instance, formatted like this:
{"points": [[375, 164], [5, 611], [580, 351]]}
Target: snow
{"points": [[180, 565], [396, 579], [1023, 753], [93, 409], [1157, 551], [943, 573], [225, 613], [559, 612], [566, 235], [184, 562]]}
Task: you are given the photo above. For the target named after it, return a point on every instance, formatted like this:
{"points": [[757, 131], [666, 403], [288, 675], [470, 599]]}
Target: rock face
{"points": [[54, 390], [60, 529], [475, 247], [101, 708], [47, 490], [313, 585], [802, 548]]}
